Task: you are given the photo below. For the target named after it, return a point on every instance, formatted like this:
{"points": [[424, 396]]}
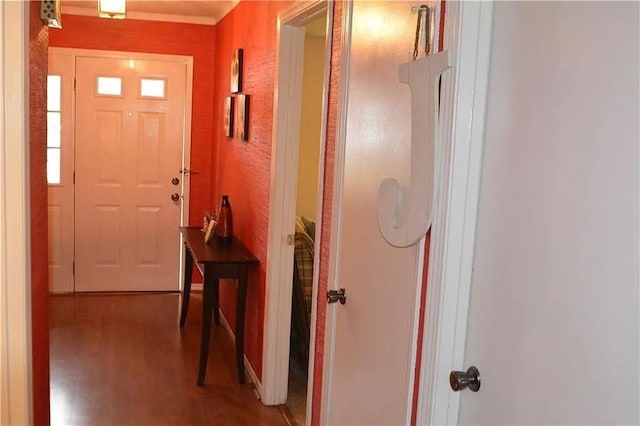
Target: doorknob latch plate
{"points": [[188, 172], [334, 296]]}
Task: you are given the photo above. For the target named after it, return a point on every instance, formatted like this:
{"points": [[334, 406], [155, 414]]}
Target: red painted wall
{"points": [[164, 38], [243, 168], [38, 41]]}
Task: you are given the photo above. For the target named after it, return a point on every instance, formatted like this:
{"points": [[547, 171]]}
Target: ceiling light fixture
{"points": [[112, 8]]}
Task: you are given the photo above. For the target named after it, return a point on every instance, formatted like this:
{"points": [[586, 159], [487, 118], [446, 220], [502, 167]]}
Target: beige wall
{"points": [[310, 126]]}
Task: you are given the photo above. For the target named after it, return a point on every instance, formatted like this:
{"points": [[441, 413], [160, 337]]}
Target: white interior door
{"points": [[553, 319], [129, 137], [374, 336]]}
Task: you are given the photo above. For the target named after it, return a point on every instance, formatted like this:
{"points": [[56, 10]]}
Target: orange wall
{"points": [[38, 40], [242, 169], [164, 38]]}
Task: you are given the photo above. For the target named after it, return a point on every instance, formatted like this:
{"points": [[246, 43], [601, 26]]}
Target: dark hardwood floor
{"points": [[297, 396], [122, 360]]}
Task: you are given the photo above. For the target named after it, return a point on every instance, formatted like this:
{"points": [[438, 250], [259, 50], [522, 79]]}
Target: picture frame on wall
{"points": [[228, 116], [236, 71], [242, 117]]}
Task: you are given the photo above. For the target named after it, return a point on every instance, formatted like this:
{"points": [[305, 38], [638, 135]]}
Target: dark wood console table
{"points": [[216, 261]]}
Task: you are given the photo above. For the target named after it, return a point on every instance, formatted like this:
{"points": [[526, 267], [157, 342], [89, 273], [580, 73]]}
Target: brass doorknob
{"points": [[460, 380], [175, 196]]}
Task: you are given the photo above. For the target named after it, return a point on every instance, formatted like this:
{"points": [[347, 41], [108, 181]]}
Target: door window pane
{"points": [[53, 130], [53, 92], [152, 88], [111, 86], [53, 165]]}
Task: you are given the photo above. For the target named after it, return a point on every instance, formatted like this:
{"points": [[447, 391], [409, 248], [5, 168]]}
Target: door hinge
{"points": [[74, 177], [74, 84], [73, 268]]}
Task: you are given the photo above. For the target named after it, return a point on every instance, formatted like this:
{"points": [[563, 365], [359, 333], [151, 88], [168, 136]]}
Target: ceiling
{"points": [[207, 12]]}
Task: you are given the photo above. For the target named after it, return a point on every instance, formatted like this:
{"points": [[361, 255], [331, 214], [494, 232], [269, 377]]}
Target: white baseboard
{"points": [[247, 365]]}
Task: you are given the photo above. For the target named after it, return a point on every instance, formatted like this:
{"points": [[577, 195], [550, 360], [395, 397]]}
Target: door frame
{"points": [[468, 28], [290, 36], [16, 388], [336, 222], [70, 122]]}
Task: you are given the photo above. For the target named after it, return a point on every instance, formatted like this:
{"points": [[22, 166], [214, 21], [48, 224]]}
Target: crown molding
{"points": [[143, 16]]}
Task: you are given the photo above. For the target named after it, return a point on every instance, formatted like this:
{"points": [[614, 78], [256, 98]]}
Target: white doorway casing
{"points": [[282, 209], [453, 230], [16, 393]]}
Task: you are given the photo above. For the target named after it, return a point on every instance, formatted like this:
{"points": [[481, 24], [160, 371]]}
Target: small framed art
{"points": [[236, 71], [242, 117], [228, 116]]}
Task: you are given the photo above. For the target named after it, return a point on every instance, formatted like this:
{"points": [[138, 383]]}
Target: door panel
{"points": [[151, 133], [56, 245], [553, 320], [129, 147], [109, 155], [374, 352]]}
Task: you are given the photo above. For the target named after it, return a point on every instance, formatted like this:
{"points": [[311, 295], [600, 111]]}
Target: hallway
{"points": [[122, 360]]}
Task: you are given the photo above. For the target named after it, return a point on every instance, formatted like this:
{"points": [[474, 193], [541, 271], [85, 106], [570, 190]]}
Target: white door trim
{"points": [[75, 53], [16, 393], [468, 28], [336, 214], [282, 196]]}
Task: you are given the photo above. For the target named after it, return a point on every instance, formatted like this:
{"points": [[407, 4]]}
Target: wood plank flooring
{"points": [[122, 360], [297, 395]]}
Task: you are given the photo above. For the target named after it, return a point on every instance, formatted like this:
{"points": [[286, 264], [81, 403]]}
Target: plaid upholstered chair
{"points": [[301, 296]]}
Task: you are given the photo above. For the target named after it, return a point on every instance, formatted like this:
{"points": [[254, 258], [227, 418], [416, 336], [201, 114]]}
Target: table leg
{"points": [[207, 302], [186, 292], [240, 308], [216, 301]]}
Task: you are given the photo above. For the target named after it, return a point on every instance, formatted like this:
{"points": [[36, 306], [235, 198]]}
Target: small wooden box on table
{"points": [[216, 261]]}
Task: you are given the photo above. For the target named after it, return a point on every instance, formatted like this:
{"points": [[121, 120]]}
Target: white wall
{"points": [[553, 324]]}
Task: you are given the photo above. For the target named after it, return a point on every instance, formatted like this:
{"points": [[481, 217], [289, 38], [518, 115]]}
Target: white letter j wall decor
{"points": [[405, 211]]}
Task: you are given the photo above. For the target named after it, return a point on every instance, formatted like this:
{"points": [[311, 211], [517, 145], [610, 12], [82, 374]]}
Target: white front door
{"points": [[372, 370], [553, 319], [129, 137]]}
